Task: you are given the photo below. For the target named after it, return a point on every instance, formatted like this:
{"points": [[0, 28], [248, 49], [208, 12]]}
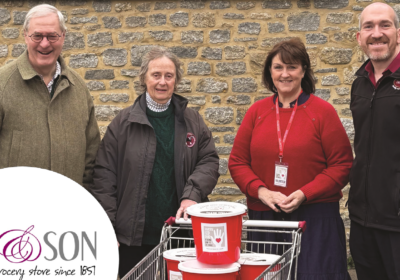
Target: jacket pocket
{"points": [[15, 148]]}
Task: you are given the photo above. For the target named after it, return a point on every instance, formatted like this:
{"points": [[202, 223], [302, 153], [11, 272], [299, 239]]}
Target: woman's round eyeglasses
{"points": [[52, 38]]}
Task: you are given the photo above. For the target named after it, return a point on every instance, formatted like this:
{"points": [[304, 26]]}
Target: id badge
{"points": [[281, 173]]}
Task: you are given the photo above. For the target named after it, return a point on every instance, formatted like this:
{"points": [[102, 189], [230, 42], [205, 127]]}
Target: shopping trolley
{"points": [[153, 266]]}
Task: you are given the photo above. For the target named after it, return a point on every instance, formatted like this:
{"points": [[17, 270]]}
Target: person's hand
{"points": [[182, 210], [217, 238], [293, 201], [270, 198], [118, 244]]}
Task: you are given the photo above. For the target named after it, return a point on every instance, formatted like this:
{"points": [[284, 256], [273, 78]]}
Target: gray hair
{"points": [[41, 11], [395, 18], [155, 53]]}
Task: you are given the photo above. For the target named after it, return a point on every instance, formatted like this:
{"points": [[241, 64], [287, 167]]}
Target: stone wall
{"points": [[222, 43]]}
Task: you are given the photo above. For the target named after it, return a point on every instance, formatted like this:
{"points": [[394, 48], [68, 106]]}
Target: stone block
{"points": [[216, 99], [227, 181], [100, 39], [258, 98], [230, 68], [277, 4], [346, 112], [226, 191], [19, 17], [304, 3], [123, 7], [184, 86], [329, 4], [199, 68], [143, 7], [18, 49], [163, 35], [80, 11], [223, 166], [276, 27], [124, 37], [3, 50], [117, 84], [13, 3], [240, 112], [115, 57], [102, 6], [249, 28], [270, 42], [193, 4], [10, 33], [65, 15], [95, 85], [134, 21], [304, 21], [244, 85], [330, 28], [33, 3], [137, 52], [92, 27], [233, 16], [196, 100], [179, 19], [165, 6], [349, 74], [130, 72], [184, 52], [219, 115], [339, 18], [212, 53], [216, 139], [219, 5], [220, 36], [77, 20], [260, 16], [325, 70], [192, 37], [225, 150], [157, 19], [234, 52], [330, 80], [345, 36], [340, 101], [257, 61], [72, 2], [246, 5], [111, 22], [114, 97], [334, 55], [106, 112], [195, 108], [240, 99], [83, 60], [342, 90], [203, 20], [245, 39], [221, 129], [349, 127], [316, 38], [104, 74], [211, 85], [323, 93], [229, 138], [139, 89]]}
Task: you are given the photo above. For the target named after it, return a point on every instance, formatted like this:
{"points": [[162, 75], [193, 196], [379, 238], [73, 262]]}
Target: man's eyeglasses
{"points": [[52, 38]]}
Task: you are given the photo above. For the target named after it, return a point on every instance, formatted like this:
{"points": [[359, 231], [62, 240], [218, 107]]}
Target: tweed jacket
{"points": [[60, 134]]}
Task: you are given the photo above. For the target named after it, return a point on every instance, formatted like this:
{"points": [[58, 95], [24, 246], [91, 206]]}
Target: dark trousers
{"points": [[129, 256], [376, 253]]}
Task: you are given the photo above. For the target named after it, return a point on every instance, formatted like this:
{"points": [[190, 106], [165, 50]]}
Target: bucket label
{"points": [[214, 237], [175, 275]]}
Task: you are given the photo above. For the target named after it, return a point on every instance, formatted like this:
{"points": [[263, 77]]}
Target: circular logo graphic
{"points": [[51, 227], [396, 84], [190, 140]]}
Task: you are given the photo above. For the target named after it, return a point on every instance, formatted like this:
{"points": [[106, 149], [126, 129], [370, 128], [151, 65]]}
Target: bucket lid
{"points": [[181, 254], [216, 209], [202, 268], [258, 259]]}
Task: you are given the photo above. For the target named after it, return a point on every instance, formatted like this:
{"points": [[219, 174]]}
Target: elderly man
{"points": [[374, 200], [46, 112]]}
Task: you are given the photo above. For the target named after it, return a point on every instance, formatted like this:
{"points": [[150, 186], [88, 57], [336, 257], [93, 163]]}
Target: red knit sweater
{"points": [[317, 151]]}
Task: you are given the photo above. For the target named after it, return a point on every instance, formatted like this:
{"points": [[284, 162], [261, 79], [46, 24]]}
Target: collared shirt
{"points": [[393, 66], [303, 97], [154, 106], [56, 74]]}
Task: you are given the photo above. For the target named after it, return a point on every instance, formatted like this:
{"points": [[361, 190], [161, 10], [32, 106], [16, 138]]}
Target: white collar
{"points": [[154, 106]]}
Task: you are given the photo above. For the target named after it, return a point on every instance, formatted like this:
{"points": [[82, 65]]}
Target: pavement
{"points": [[353, 274]]}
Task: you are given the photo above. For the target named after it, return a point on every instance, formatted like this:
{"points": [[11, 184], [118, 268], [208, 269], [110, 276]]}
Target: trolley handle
{"points": [[252, 223]]}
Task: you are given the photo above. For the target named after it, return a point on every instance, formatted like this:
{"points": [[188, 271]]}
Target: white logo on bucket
{"points": [[173, 275], [214, 237]]}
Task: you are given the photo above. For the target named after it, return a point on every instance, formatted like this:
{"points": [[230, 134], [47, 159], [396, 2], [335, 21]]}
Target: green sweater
{"points": [[162, 200]]}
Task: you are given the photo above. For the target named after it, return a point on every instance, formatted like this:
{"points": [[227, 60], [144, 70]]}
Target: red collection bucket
{"points": [[217, 231], [195, 270], [252, 265], [174, 257]]}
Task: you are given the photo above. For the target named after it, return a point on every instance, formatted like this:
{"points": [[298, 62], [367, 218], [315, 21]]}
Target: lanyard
{"points": [[278, 125]]}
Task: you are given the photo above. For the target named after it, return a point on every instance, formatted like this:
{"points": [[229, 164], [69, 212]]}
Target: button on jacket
{"points": [[125, 161], [374, 198], [58, 134]]}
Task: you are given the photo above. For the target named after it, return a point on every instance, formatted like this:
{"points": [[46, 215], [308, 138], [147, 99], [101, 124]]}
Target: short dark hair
{"points": [[291, 51]]}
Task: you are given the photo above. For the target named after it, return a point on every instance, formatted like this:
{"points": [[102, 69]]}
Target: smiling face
{"points": [[378, 36], [160, 79], [43, 55], [286, 77]]}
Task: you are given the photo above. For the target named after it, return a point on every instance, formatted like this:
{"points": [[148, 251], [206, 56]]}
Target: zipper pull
{"points": [[372, 98]]}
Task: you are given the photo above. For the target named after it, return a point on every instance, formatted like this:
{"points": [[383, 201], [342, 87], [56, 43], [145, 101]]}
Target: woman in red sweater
{"points": [[291, 157]]}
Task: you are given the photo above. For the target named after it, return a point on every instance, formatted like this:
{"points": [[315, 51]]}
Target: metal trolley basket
{"points": [[153, 266]]}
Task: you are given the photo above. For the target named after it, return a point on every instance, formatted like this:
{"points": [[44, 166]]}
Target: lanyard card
{"points": [[281, 172]]}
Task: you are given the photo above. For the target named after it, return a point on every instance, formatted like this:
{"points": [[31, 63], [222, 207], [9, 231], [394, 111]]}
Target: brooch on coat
{"points": [[190, 139]]}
